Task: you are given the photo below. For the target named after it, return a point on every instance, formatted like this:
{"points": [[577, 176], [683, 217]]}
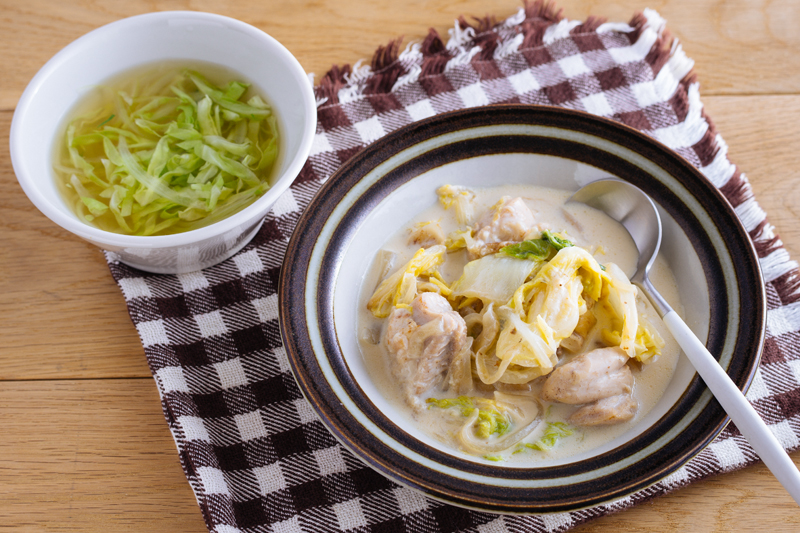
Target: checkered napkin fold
{"points": [[254, 452]]}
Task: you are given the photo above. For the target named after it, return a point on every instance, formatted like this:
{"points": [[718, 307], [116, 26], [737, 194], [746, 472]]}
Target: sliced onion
{"points": [[526, 414]]}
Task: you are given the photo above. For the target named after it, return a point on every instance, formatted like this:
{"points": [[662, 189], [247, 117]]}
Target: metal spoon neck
{"points": [[641, 280]]}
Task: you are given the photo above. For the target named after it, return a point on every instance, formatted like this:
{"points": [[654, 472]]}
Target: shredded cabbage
{"points": [[170, 153]]}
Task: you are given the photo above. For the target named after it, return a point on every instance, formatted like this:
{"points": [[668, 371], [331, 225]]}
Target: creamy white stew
{"points": [[503, 322]]}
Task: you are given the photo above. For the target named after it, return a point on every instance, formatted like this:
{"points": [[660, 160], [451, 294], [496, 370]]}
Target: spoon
{"points": [[631, 207]]}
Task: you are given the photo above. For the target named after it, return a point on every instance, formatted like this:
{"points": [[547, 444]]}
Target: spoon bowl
{"points": [[636, 211]]}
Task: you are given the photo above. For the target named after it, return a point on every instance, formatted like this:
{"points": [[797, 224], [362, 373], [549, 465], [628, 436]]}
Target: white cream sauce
{"points": [[606, 239]]}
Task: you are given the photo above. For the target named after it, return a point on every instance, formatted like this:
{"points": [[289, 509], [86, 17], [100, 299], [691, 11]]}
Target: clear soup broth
{"points": [[166, 148]]}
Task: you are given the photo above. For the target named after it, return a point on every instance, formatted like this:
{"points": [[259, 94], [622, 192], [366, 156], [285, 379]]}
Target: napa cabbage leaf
{"points": [[461, 199], [400, 288], [493, 278]]}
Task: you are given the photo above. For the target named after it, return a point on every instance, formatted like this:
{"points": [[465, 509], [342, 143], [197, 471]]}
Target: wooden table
{"points": [[83, 443]]}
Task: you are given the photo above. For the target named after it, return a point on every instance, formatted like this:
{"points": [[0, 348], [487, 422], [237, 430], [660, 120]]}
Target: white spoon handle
{"points": [[736, 405]]}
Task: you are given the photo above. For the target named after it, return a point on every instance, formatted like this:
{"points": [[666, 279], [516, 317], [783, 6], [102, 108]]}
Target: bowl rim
{"points": [[28, 182], [335, 418]]}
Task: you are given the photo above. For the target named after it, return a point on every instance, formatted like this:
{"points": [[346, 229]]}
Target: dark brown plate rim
{"points": [[485, 496]]}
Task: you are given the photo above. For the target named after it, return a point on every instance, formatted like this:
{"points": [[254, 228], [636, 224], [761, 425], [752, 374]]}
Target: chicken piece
{"points": [[430, 345], [508, 220], [611, 410], [399, 329], [505, 223], [590, 377], [426, 234], [430, 306]]}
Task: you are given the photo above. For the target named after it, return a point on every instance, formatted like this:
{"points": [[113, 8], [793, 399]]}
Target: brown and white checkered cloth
{"points": [[255, 454]]}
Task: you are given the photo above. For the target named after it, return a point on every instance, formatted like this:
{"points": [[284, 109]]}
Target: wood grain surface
{"points": [[83, 442]]}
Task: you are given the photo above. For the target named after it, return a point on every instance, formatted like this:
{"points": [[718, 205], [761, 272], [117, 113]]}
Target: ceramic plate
{"points": [[390, 181]]}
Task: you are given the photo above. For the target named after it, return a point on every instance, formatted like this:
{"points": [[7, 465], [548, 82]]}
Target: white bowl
{"points": [[128, 43]]}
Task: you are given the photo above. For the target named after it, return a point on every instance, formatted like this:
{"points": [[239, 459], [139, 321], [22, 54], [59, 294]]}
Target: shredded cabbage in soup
{"points": [[166, 151]]}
